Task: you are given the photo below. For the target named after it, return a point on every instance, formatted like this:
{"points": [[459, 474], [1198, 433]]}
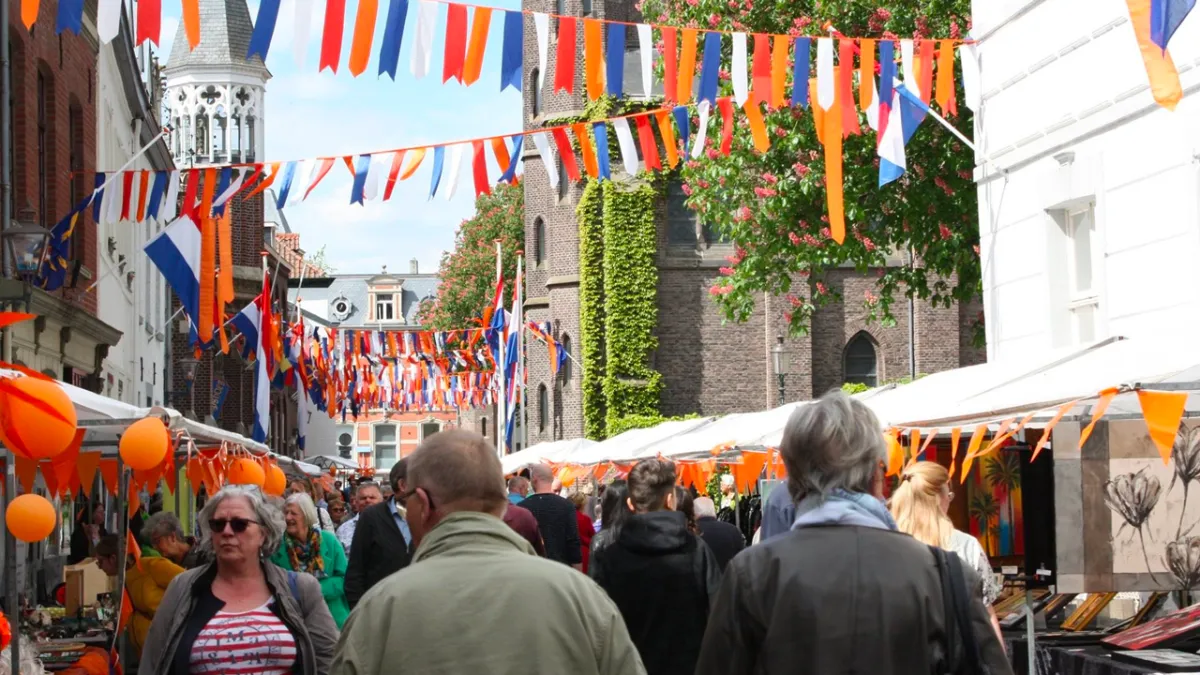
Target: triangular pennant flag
{"points": [[64, 465], [1062, 411], [50, 477], [108, 473], [1162, 411], [955, 436], [86, 465], [972, 448], [26, 470], [1105, 398]]}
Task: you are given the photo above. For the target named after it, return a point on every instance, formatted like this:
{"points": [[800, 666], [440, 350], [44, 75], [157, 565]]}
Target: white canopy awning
{"points": [[551, 451], [334, 462], [629, 445]]}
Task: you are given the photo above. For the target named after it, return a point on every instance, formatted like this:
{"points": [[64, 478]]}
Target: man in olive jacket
{"points": [[451, 610]]}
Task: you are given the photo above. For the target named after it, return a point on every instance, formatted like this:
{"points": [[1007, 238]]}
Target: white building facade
{"points": [[1089, 191], [132, 292]]}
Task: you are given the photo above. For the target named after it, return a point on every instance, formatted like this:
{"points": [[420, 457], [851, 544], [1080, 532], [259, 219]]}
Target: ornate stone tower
{"points": [[215, 96]]}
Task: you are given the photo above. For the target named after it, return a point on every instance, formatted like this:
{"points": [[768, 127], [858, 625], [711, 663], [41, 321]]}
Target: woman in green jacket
{"points": [[308, 548]]}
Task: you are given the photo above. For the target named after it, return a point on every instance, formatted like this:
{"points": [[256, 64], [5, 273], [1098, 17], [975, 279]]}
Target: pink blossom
{"points": [[714, 20], [976, 247], [763, 192], [712, 153], [722, 74], [811, 241], [794, 238], [727, 271], [877, 20], [821, 289], [868, 244], [944, 231], [781, 132], [721, 181], [693, 3], [955, 31], [687, 189], [693, 164], [702, 184], [714, 290], [795, 302], [770, 177], [965, 175], [802, 22], [825, 230], [733, 4], [922, 27], [801, 169], [787, 316]]}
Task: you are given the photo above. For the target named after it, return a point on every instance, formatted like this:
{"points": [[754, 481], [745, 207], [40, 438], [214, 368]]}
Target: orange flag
{"points": [[758, 129], [593, 58], [414, 161], [9, 318], [224, 273], [972, 448], [914, 444], [364, 32], [499, 149], [266, 182], [208, 274], [779, 70], [1162, 411], [895, 452], [475, 48], [126, 611], [1062, 410], [26, 470], [134, 501], [50, 477], [191, 21], [687, 66], [833, 169], [1106, 397], [1002, 434], [703, 471], [666, 127], [945, 97], [108, 473], [86, 466], [590, 164], [29, 13], [955, 435], [1160, 68], [750, 469], [866, 73], [924, 446], [64, 465], [133, 548]]}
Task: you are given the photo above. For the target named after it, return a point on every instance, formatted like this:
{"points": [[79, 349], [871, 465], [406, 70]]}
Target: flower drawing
{"points": [[1183, 559], [1134, 496], [1186, 456]]}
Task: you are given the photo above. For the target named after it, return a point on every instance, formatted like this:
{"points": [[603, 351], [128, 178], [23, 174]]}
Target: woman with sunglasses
{"points": [[240, 612], [308, 548]]}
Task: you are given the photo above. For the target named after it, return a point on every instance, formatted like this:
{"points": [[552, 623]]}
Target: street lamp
{"points": [[779, 358], [189, 365], [25, 244]]}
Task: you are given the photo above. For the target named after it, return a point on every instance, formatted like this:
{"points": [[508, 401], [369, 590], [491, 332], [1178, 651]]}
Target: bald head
{"points": [[460, 471], [542, 478]]}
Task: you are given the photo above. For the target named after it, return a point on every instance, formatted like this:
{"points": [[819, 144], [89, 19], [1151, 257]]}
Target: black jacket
{"points": [[724, 539], [663, 579], [378, 550], [837, 599]]}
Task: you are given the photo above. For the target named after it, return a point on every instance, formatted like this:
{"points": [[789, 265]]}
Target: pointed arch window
{"points": [[860, 363], [543, 408], [539, 241]]}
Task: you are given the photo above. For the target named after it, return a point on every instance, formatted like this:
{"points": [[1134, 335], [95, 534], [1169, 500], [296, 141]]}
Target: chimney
{"points": [[414, 267]]}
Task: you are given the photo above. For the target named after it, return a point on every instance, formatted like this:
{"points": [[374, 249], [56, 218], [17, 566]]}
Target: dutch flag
{"points": [[249, 323], [176, 253], [904, 115]]}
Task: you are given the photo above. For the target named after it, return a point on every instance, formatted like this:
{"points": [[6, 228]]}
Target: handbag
{"points": [[962, 650]]}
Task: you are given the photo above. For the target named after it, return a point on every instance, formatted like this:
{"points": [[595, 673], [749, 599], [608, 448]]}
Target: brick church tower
{"points": [[216, 100]]}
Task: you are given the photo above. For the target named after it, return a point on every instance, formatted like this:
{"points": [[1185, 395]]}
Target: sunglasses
{"points": [[238, 525]]}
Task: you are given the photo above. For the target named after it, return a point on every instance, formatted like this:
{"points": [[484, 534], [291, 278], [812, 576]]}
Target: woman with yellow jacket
{"points": [[145, 582]]}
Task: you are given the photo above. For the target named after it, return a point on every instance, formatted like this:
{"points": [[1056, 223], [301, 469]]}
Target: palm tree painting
{"points": [[983, 508], [1002, 473]]}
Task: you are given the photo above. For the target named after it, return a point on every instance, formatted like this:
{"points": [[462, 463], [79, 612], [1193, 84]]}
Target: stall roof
{"points": [[333, 461], [551, 451], [627, 446], [735, 429]]}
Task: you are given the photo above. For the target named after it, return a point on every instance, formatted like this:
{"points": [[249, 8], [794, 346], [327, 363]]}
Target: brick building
{"points": [[216, 100], [708, 366], [53, 155]]}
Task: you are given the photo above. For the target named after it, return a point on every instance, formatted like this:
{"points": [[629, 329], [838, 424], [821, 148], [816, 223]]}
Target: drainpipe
{"points": [[912, 325]]}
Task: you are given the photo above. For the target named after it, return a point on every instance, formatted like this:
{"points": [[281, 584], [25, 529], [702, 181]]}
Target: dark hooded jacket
{"points": [[663, 578]]}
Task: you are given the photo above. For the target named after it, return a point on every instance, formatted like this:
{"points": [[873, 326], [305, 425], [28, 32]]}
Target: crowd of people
{"points": [[451, 569]]}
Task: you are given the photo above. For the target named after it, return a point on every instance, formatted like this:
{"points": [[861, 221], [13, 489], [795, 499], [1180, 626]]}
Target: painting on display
{"points": [[994, 503]]}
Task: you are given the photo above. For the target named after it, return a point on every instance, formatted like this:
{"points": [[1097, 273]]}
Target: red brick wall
{"points": [[67, 63]]}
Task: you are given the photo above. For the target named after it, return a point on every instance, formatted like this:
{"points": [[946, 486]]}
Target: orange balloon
{"points": [[275, 482], [31, 518], [245, 471], [27, 427], [145, 443]]}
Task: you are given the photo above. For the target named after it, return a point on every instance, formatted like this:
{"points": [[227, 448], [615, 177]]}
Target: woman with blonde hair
{"points": [[920, 506]]}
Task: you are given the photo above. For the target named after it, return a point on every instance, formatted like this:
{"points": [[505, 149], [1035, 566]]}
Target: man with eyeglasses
{"points": [[451, 610], [382, 541]]}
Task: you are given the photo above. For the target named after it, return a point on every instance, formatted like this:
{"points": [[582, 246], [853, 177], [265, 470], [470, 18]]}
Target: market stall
{"points": [[551, 451]]}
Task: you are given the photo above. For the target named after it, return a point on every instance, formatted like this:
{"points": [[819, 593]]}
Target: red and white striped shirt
{"points": [[244, 643]]}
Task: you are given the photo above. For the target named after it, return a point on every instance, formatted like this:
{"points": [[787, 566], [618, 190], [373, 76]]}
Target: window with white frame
{"points": [[385, 446], [384, 308], [430, 428], [1083, 300]]}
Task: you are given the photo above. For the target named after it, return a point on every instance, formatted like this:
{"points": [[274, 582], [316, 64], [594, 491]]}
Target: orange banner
{"points": [[1106, 398], [1163, 411], [687, 65], [758, 129], [477, 45], [593, 58]]}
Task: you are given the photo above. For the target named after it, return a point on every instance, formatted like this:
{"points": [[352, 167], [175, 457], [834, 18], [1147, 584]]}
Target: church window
{"points": [[859, 361], [683, 226], [539, 241], [537, 92]]}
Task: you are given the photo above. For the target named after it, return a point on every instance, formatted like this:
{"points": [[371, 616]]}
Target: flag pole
{"points": [[501, 424], [519, 371]]}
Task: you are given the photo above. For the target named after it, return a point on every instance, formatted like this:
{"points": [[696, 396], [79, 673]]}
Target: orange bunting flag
{"points": [[29, 12], [108, 473], [478, 44], [414, 161], [208, 270], [924, 447], [593, 58], [955, 436], [132, 547], [972, 448], [748, 472], [1160, 68], [50, 477], [666, 128], [687, 66], [946, 99], [866, 73], [600, 470], [1062, 410], [26, 470], [833, 170], [1163, 411], [703, 471], [134, 501], [1102, 402], [895, 452], [758, 129], [586, 149], [1002, 434], [266, 183], [64, 465], [914, 444], [86, 466], [9, 318], [191, 22], [364, 32], [779, 70]]}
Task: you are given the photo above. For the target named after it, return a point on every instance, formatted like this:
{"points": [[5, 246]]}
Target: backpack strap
{"points": [[962, 613], [294, 586], [951, 628]]}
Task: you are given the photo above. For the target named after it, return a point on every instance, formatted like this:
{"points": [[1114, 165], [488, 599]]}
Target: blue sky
{"points": [[310, 114]]}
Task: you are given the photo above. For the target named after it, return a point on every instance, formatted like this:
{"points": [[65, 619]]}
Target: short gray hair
{"points": [[832, 443], [704, 507], [369, 485], [162, 524], [269, 517], [307, 508]]}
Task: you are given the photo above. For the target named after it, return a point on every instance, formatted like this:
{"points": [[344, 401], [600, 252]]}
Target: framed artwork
{"points": [[1148, 609], [1161, 660], [1173, 630], [1017, 615], [994, 504], [1086, 613], [1057, 604], [1006, 604]]}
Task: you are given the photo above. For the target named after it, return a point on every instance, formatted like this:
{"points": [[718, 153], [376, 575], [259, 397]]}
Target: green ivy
{"points": [[852, 388], [591, 308], [643, 422]]}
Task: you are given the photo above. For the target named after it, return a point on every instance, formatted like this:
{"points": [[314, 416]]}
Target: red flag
{"points": [[456, 42], [761, 68], [126, 193], [646, 139], [479, 169], [670, 63], [149, 21], [331, 39], [568, 155], [726, 106], [564, 63]]}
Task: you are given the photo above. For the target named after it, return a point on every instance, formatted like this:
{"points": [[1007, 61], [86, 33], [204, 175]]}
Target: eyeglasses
{"points": [[428, 497], [238, 525]]}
